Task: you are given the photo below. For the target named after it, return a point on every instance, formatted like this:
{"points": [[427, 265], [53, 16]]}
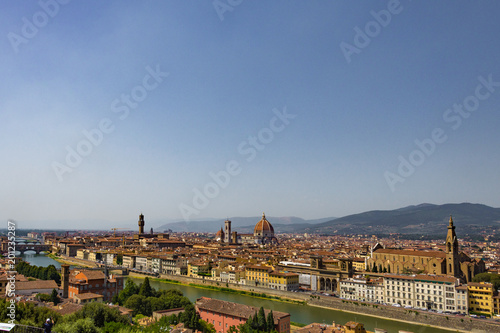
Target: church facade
{"points": [[451, 262]]}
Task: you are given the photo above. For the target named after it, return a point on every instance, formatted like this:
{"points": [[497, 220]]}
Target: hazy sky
{"points": [[198, 109]]}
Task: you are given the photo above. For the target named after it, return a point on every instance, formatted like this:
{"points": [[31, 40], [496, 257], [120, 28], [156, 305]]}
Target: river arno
{"points": [[299, 313], [40, 260]]}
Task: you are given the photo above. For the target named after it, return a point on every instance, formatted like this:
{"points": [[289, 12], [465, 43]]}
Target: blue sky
{"points": [[343, 143]]}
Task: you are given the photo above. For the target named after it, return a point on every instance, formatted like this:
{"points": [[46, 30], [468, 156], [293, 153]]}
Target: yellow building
{"points": [[480, 298], [257, 275], [359, 264], [496, 304], [197, 268], [283, 281]]}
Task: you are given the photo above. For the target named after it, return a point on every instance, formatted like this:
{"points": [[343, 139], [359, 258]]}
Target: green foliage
{"points": [[261, 319], [139, 305], [54, 297], [39, 272], [119, 259], [145, 289], [293, 323], [270, 321], [44, 297], [258, 323], [189, 317], [99, 313], [27, 313], [83, 325], [488, 277], [207, 327], [129, 290], [112, 327]]}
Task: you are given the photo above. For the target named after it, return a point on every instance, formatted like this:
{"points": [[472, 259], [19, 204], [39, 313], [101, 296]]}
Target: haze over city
{"points": [[189, 111]]}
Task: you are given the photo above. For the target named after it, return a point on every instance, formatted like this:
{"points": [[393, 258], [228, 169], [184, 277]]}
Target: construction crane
{"points": [[114, 230]]}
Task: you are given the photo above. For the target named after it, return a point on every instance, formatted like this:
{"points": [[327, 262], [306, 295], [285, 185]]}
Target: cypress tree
{"points": [[270, 321], [261, 319]]}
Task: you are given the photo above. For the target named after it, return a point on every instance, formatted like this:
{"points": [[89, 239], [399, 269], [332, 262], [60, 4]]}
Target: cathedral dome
{"points": [[219, 235], [263, 227]]}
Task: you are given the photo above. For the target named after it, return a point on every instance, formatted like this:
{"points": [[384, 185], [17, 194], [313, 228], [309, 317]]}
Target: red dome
{"points": [[263, 226]]}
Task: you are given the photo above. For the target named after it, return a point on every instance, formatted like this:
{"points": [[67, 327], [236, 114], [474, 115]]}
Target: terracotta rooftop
{"points": [[234, 309], [67, 308], [38, 284], [439, 254], [88, 296]]}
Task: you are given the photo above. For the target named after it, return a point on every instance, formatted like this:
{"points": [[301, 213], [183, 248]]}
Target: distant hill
{"points": [[241, 224], [420, 219]]}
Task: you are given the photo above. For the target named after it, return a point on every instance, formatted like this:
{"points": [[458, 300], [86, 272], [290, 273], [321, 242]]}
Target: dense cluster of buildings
{"points": [[419, 275]]}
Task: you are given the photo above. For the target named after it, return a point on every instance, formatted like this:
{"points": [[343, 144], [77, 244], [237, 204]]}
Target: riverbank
{"points": [[71, 261], [432, 320]]}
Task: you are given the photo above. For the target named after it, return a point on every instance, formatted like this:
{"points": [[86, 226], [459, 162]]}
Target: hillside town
{"points": [[433, 277]]}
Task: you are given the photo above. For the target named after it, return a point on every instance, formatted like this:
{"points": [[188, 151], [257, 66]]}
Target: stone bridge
{"points": [[38, 248]]}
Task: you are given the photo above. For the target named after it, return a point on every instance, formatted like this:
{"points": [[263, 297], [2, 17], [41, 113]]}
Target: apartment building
{"points": [[257, 275], [86, 281], [462, 299], [421, 291], [362, 290], [173, 264], [129, 260], [480, 297], [283, 281]]}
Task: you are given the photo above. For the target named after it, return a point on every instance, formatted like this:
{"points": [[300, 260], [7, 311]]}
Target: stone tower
{"points": [[141, 224], [452, 265], [65, 280], [227, 232]]}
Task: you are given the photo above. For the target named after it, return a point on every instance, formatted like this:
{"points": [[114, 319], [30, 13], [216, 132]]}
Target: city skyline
{"points": [[190, 112]]}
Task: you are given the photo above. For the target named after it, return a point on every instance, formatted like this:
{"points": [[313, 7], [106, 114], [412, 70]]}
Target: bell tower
{"points": [[227, 232], [141, 224], [452, 267]]}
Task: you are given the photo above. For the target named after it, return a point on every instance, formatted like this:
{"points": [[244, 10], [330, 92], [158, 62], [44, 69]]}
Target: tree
{"points": [[129, 290], [139, 305], [54, 297], [206, 327], [83, 325], [99, 313], [145, 289], [375, 270], [270, 321], [488, 277], [261, 319]]}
